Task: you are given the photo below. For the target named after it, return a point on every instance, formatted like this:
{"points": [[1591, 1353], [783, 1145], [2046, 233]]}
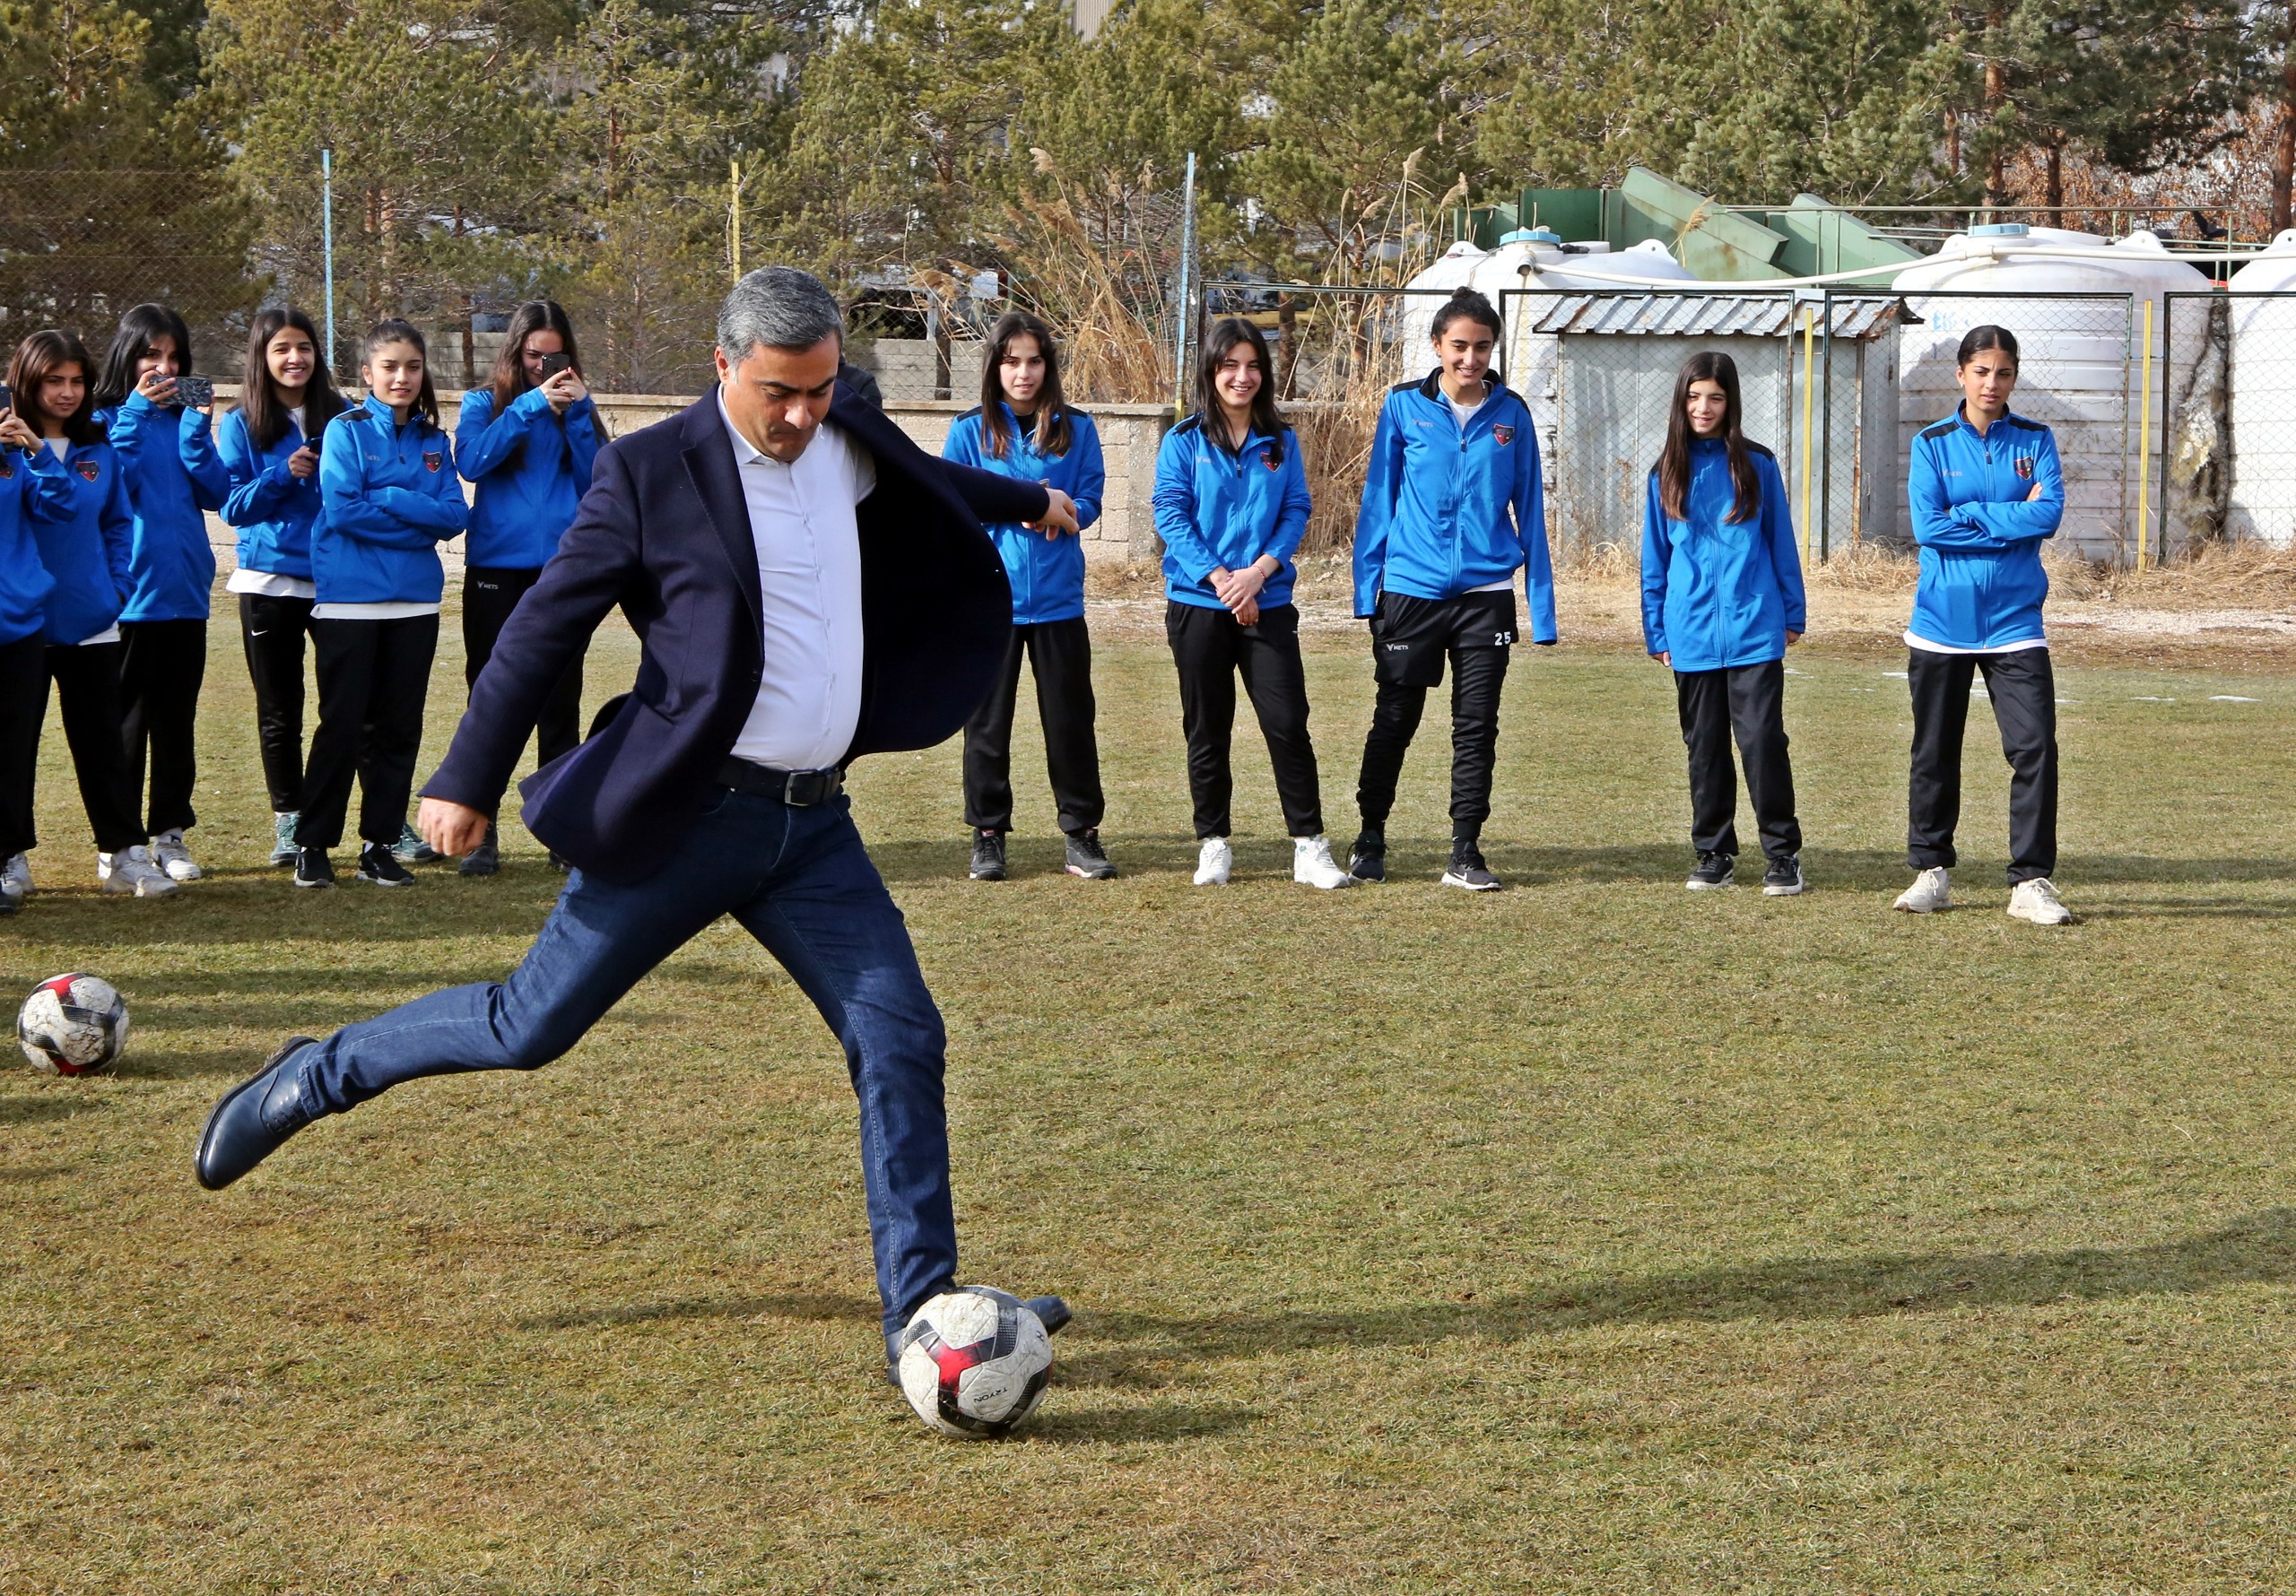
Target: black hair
{"points": [[39, 357], [268, 417], [1674, 460], [1053, 432], [1469, 304], [510, 379], [394, 331], [1978, 340], [1219, 343], [138, 329]]}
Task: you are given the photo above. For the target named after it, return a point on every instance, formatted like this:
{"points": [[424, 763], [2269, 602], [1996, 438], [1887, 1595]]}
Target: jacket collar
{"points": [[716, 476], [2009, 418], [1432, 388]]}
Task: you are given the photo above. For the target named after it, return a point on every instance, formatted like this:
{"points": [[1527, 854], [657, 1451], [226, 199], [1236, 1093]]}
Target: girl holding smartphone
{"points": [[270, 450], [1987, 492], [156, 416], [1721, 603], [28, 470], [388, 497], [526, 440], [85, 536], [1231, 504], [1024, 428]]}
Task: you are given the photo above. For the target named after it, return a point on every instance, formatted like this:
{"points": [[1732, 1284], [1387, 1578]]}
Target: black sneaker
{"points": [[1085, 858], [484, 860], [379, 864], [1714, 870], [1367, 861], [313, 868], [1783, 878], [987, 856], [1467, 870]]}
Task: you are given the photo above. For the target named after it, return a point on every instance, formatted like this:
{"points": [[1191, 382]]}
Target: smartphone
{"points": [[194, 393], [311, 440], [553, 364], [7, 399]]}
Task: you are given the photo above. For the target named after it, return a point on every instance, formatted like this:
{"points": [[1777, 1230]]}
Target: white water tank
{"points": [[2082, 366], [2263, 347]]}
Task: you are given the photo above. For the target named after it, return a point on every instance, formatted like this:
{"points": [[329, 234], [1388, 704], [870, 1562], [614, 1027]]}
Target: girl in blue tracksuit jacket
{"points": [[1025, 427], [389, 496], [27, 471], [1451, 511], [1986, 491], [270, 450], [526, 441], [1231, 504], [167, 453], [85, 533], [1721, 601]]}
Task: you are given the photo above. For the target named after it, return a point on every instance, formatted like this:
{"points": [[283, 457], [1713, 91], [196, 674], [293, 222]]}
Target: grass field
{"points": [[1587, 1236]]}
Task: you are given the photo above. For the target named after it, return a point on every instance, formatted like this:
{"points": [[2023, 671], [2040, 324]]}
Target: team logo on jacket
{"points": [[432, 459], [2025, 467], [88, 469], [1505, 435], [1267, 458], [7, 468]]}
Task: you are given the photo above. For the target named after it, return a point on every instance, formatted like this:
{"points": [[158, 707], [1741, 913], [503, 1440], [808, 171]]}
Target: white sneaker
{"points": [[1214, 861], [130, 871], [168, 850], [1927, 893], [16, 878], [1312, 867], [2036, 900]]}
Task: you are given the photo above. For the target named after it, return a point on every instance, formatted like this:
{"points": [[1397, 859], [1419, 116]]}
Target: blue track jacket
{"points": [[24, 581], [1981, 584], [174, 477], [271, 508], [531, 468], [1715, 593], [86, 535], [1445, 511], [1047, 574], [1215, 509], [390, 497]]}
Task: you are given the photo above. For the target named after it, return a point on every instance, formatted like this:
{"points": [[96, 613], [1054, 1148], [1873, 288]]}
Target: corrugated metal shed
{"points": [[1710, 315]]}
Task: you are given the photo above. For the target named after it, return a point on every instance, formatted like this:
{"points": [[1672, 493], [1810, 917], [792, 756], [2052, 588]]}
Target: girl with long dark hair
{"points": [[167, 455], [1987, 491], [527, 441], [388, 497], [1721, 601], [1451, 511], [1231, 504], [270, 449], [85, 537], [29, 473], [1025, 427]]}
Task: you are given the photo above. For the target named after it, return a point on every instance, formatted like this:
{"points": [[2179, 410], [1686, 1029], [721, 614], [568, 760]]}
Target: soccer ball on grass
{"points": [[974, 1362], [72, 1025]]}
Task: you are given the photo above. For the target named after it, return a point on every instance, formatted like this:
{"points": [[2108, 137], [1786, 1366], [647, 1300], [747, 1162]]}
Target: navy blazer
{"points": [[664, 531]]}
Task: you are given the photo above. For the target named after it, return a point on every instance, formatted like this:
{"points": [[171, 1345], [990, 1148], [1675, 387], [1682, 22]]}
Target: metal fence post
{"points": [[2144, 442], [1180, 300], [326, 249]]}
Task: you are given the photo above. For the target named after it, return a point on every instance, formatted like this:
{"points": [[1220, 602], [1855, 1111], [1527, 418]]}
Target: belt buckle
{"points": [[809, 789]]}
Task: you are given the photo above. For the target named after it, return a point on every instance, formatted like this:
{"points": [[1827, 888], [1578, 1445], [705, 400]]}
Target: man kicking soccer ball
{"points": [[807, 586]]}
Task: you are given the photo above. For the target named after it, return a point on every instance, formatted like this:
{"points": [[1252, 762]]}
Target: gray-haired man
{"points": [[807, 586]]}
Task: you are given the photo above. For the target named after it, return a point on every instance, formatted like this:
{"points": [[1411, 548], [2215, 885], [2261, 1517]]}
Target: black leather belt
{"points": [[799, 789]]}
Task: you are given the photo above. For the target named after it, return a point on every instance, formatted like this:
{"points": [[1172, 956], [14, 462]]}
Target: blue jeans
{"points": [[800, 882]]}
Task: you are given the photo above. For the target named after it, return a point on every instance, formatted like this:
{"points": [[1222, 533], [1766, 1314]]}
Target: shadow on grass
{"points": [[44, 1108], [2260, 1249], [802, 1305], [1061, 1425], [1410, 858], [31, 1175]]}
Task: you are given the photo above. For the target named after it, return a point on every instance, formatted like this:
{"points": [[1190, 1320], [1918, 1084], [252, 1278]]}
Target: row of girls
{"points": [[1449, 521], [338, 507]]}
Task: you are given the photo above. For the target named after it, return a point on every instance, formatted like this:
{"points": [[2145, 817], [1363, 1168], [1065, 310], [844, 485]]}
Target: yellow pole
{"points": [[1809, 363], [2144, 443], [737, 222]]}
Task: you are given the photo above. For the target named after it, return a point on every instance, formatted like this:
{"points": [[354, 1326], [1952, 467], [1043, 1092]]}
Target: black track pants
{"points": [[1060, 653], [2023, 690], [1750, 700]]}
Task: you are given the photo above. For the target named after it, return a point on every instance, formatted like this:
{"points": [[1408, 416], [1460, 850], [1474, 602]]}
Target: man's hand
{"points": [[1059, 516], [450, 826]]}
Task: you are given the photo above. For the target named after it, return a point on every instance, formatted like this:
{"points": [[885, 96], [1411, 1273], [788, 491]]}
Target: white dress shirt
{"points": [[809, 582]]}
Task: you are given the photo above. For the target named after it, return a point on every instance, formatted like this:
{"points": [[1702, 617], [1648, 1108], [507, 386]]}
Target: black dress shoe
{"points": [[253, 1119], [1052, 1311]]}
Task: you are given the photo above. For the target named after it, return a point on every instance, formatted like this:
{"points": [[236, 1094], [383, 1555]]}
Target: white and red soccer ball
{"points": [[974, 1362], [72, 1025]]}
